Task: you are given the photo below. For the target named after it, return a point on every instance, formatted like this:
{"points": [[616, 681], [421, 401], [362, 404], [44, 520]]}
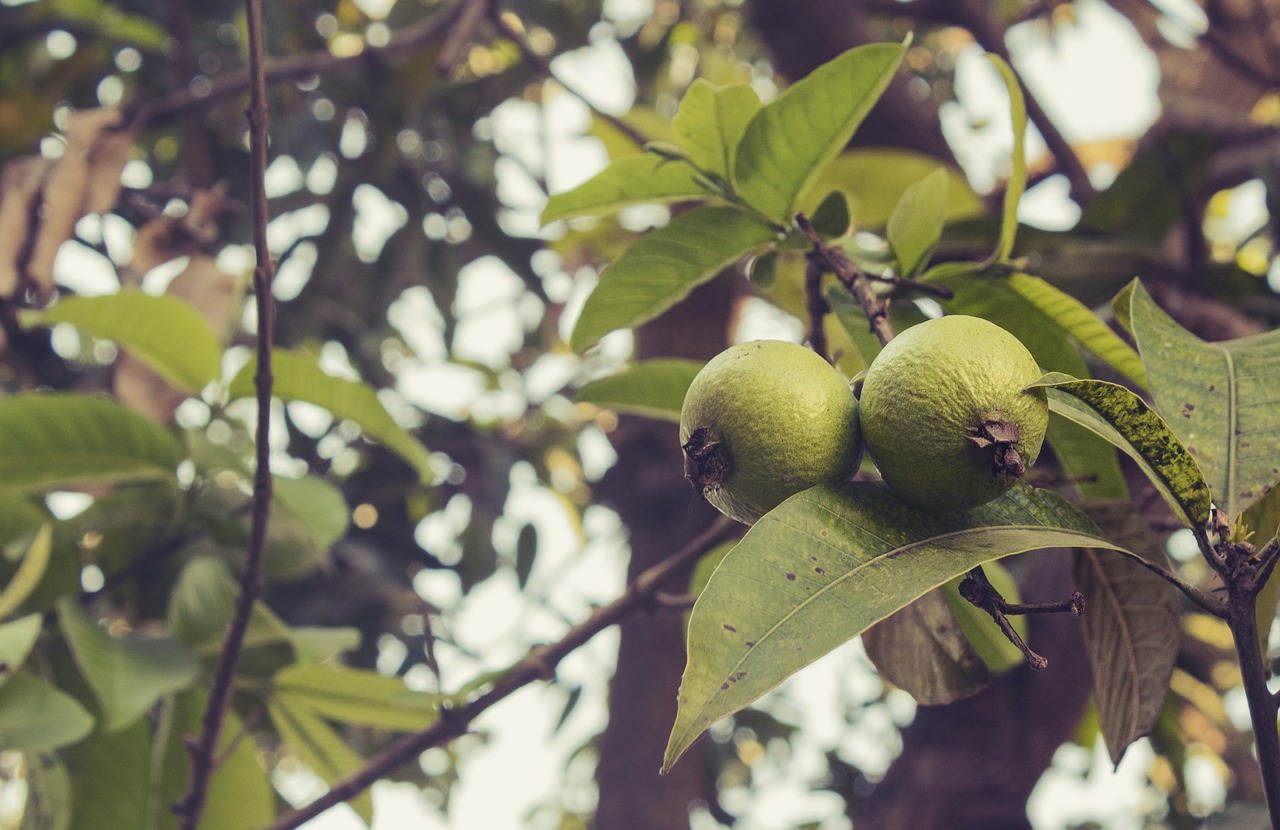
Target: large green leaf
{"points": [[17, 638], [162, 331], [874, 181], [661, 268], [35, 716], [1074, 318], [354, 696], [319, 747], [630, 180], [1087, 460], [922, 650], [127, 675], [1262, 520], [1017, 183], [111, 779], [48, 804], [654, 388], [1130, 629], [711, 121], [317, 504], [1124, 419], [1219, 398], [298, 377], [61, 439], [240, 794], [827, 564], [787, 143], [30, 572], [916, 223]]}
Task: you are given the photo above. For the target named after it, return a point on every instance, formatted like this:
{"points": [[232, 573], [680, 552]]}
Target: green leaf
{"points": [[1075, 319], [240, 794], [17, 638], [48, 804], [319, 747], [631, 180], [298, 377], [1088, 460], [526, 553], [711, 121], [788, 142], [35, 716], [660, 269], [111, 779], [202, 603], [916, 223], [164, 332], [127, 675], [60, 439], [354, 696], [763, 270], [827, 564], [1262, 520], [922, 650], [1017, 183], [654, 388], [1130, 629], [29, 573], [831, 218], [1125, 420], [317, 504], [874, 180], [1138, 202], [854, 320], [1219, 399]]}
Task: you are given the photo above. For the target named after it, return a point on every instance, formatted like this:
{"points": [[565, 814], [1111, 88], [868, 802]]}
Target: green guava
{"points": [[946, 414], [764, 420]]}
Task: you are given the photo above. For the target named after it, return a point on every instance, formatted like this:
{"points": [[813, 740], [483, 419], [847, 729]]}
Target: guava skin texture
{"points": [[764, 420], [945, 416]]}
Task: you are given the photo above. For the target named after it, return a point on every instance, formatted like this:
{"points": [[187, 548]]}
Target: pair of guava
{"points": [[944, 411]]}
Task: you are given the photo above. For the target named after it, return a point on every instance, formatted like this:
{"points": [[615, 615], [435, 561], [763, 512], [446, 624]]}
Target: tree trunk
{"points": [[648, 490]]}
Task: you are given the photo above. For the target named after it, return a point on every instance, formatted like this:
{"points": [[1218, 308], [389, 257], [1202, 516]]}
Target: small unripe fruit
{"points": [[946, 414], [763, 421]]}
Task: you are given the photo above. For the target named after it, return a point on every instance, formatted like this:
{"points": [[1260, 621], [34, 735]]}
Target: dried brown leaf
{"points": [[19, 191]]}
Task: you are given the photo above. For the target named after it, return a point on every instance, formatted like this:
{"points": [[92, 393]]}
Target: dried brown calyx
{"points": [[1002, 437], [707, 463]]}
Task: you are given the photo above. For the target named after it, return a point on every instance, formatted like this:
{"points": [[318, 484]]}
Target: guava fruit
{"points": [[764, 420], [946, 415]]}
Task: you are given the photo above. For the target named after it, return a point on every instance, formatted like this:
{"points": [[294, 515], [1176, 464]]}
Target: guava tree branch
{"points": [[852, 278], [538, 664], [203, 749]]}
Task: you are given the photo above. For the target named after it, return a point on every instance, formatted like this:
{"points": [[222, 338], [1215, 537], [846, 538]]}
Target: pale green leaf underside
{"points": [[789, 140], [1221, 399], [27, 577], [710, 123], [320, 747], [827, 564], [298, 377], [362, 698], [661, 269], [1077, 320], [127, 675], [916, 223], [1018, 178], [35, 716], [16, 641], [1122, 418], [165, 333], [62, 439], [654, 388], [631, 180]]}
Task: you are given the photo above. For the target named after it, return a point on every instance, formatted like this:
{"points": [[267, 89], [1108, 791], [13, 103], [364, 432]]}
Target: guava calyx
{"points": [[707, 462], [1003, 437]]}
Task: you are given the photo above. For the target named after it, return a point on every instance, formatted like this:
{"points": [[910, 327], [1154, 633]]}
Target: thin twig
{"points": [[203, 749], [540, 62], [817, 306], [539, 663], [942, 292], [462, 35], [852, 278], [979, 592]]}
